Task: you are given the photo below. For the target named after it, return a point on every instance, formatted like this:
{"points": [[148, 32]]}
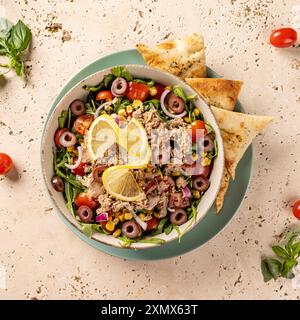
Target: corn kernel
{"points": [[129, 109], [137, 103], [203, 154], [122, 112], [116, 221], [152, 91], [187, 119], [110, 226], [148, 170], [128, 216], [156, 214], [195, 156], [71, 149], [205, 162], [117, 233], [149, 212], [196, 112], [168, 88], [176, 173], [142, 216], [121, 217], [196, 194]]}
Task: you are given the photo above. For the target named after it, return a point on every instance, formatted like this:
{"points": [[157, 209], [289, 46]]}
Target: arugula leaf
{"points": [[148, 82], [153, 240], [87, 229], [168, 229], [62, 118], [180, 93], [121, 71], [20, 37]]}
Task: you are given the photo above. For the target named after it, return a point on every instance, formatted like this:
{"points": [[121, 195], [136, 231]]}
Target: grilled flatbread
{"points": [[184, 58], [218, 92], [222, 192], [238, 131]]}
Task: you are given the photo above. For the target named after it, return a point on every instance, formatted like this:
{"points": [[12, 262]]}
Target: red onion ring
{"points": [[103, 105], [103, 216], [164, 108], [140, 221], [171, 209], [186, 192], [119, 87], [78, 161], [67, 143]]}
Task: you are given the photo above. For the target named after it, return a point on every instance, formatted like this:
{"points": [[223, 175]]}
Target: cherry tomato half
{"points": [[82, 123], [197, 125], [283, 38], [57, 136], [6, 163], [296, 209], [137, 91], [82, 199], [152, 224], [160, 89], [104, 95], [79, 171]]}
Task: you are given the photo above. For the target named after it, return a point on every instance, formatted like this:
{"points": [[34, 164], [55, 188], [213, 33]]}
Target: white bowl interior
{"points": [[78, 93]]}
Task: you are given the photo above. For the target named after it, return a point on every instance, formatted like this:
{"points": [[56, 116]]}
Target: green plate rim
{"points": [[173, 248]]}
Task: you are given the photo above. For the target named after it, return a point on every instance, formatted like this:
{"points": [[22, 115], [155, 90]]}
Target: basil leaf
{"points": [[274, 266], [18, 65], [5, 27], [280, 252], [265, 271], [288, 265], [121, 71], [20, 36], [296, 249]]}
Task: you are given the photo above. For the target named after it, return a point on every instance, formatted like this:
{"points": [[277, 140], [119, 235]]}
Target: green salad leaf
{"points": [[121, 71]]}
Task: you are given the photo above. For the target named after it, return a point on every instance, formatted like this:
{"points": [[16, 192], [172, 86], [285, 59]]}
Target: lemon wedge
{"points": [[103, 133], [137, 146], [121, 184]]}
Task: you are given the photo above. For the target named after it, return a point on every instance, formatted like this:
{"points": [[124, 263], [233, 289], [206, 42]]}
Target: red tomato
{"points": [[82, 123], [137, 91], [6, 163], [152, 224], [283, 38], [197, 125], [79, 171], [104, 95], [160, 89], [82, 199], [57, 135], [296, 209]]}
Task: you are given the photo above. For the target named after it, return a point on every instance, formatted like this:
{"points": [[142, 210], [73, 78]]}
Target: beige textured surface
{"points": [[42, 257]]}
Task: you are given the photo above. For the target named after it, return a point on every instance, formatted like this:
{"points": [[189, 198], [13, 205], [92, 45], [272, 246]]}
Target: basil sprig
{"points": [[286, 258], [14, 39]]}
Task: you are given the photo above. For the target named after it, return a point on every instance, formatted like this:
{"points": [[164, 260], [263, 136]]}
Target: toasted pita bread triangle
{"points": [[238, 131], [218, 92], [184, 57], [223, 189]]}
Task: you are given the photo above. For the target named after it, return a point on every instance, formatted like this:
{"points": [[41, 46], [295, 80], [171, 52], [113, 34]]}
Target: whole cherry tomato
{"points": [[283, 38], [137, 91], [160, 89], [57, 136], [82, 123], [197, 125], [79, 171], [104, 95], [296, 209], [6, 163], [152, 224], [82, 199]]}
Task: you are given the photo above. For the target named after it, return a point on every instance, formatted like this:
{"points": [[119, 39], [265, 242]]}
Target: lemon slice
{"points": [[103, 133], [137, 146], [121, 184]]}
